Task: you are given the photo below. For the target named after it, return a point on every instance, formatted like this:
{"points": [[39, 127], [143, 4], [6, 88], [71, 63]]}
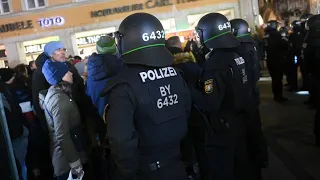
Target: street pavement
{"points": [[289, 131]]}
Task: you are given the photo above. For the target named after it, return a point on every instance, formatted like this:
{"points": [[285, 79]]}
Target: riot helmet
{"points": [[313, 23], [214, 31], [240, 28], [284, 32], [141, 40], [305, 17], [296, 26], [295, 23], [272, 25]]}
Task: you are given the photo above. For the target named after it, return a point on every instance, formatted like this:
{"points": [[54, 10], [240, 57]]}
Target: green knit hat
{"points": [[106, 45]]}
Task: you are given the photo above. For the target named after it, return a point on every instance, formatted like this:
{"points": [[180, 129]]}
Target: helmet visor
{"points": [[199, 32]]}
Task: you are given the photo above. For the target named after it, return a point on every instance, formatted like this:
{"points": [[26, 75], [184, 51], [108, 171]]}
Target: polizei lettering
{"points": [[156, 74], [239, 61]]}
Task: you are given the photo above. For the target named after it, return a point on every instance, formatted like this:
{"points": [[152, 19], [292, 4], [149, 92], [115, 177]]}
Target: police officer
{"points": [[303, 20], [257, 146], [309, 59], [149, 104], [287, 55], [276, 48], [312, 57], [303, 69], [221, 97], [295, 40]]}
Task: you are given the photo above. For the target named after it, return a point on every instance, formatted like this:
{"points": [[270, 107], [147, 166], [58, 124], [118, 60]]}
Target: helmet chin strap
{"points": [[118, 38]]}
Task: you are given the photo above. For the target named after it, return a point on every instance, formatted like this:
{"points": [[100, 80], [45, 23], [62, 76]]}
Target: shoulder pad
{"points": [[119, 79]]}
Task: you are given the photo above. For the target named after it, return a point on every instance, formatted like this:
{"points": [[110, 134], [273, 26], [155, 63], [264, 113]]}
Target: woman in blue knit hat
{"points": [[68, 138]]}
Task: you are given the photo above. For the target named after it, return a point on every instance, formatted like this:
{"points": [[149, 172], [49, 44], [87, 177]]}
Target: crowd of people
{"points": [[146, 108]]}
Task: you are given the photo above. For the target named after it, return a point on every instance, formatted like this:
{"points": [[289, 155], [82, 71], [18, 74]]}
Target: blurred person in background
{"points": [[276, 48], [37, 158], [76, 60], [22, 88], [190, 71], [31, 67], [192, 46], [81, 67], [15, 119]]}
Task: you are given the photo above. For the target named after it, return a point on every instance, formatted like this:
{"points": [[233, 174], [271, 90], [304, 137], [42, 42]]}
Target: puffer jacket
{"points": [[62, 116], [186, 62], [101, 67]]}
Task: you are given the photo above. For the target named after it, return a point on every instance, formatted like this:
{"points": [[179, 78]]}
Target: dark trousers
{"points": [[276, 72], [292, 74], [172, 171], [304, 74], [317, 116], [257, 145], [313, 89]]}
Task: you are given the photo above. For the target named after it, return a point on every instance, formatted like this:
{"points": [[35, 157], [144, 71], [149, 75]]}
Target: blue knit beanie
{"points": [[54, 71], [51, 47]]}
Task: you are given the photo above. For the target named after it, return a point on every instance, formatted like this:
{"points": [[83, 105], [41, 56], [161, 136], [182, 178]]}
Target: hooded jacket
{"points": [[39, 83], [101, 67], [62, 115]]}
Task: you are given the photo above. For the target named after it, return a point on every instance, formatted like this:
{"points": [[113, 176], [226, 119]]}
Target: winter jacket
{"points": [[87, 110], [62, 117], [14, 116], [186, 62], [101, 67], [39, 83]]}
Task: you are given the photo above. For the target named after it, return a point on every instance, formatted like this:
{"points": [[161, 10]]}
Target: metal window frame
{"points": [[36, 2], [1, 7]]}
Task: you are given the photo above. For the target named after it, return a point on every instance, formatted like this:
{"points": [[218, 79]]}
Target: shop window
{"points": [[169, 25], [34, 4], [5, 6], [194, 19]]}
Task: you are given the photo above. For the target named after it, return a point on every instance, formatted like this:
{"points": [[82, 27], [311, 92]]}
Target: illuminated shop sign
{"points": [[34, 48], [52, 21], [88, 40], [149, 4], [16, 26]]}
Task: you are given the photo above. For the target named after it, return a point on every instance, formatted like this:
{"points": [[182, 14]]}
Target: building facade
{"points": [[27, 25]]}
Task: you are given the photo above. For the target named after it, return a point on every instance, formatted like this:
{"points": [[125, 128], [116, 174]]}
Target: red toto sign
{"points": [[52, 21]]}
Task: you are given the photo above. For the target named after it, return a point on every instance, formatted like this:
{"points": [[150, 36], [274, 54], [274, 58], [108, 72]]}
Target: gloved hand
{"points": [[76, 168]]}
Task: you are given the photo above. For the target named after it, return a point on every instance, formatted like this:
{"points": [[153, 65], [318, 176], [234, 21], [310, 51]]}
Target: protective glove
{"points": [[76, 168]]}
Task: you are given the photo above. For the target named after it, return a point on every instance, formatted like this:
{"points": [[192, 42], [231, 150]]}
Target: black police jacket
{"points": [[296, 40], [146, 117], [277, 47], [311, 53], [248, 51], [224, 90]]}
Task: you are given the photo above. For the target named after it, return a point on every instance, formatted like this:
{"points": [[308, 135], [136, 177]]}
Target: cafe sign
{"points": [[34, 48], [149, 4], [51, 21], [88, 40], [15, 26]]}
